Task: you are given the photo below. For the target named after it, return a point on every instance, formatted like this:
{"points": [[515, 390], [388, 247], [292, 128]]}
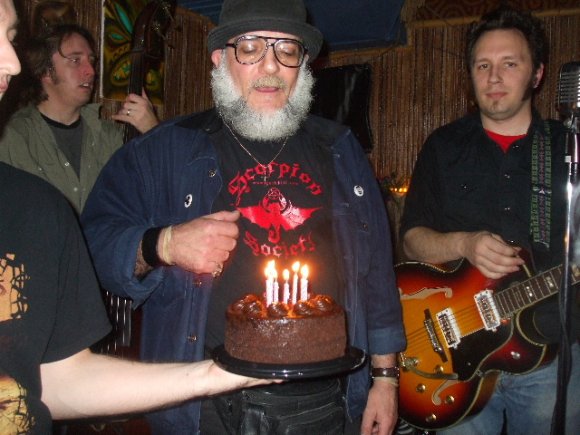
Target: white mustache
{"points": [[269, 82]]}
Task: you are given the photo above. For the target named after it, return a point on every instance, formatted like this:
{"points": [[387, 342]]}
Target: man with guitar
{"points": [[487, 188], [59, 136]]}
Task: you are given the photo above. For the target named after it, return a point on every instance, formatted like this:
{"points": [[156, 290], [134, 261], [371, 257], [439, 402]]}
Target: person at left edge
{"points": [[59, 135], [50, 312]]}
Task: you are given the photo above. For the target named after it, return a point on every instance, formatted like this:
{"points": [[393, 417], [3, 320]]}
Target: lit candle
{"points": [[270, 282], [276, 292], [304, 283], [268, 286], [286, 276], [295, 268]]}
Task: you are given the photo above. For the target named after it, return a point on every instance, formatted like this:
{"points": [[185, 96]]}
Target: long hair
{"points": [[37, 56], [506, 18]]}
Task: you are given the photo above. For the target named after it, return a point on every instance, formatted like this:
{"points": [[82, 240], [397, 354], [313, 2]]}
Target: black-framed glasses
{"points": [[250, 49]]}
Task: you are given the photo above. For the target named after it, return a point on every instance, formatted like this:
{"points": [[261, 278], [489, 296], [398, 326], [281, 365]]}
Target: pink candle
{"points": [[304, 283], [268, 286], [295, 268], [276, 292], [270, 282], [286, 276]]}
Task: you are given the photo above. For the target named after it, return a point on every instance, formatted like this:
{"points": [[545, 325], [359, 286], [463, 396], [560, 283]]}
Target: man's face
{"points": [[503, 76], [266, 85], [9, 64], [72, 80]]}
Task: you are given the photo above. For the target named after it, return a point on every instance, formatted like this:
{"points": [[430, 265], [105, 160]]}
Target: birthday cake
{"points": [[307, 331]]}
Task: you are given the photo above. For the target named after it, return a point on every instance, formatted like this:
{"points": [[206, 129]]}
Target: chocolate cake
{"points": [[309, 331]]}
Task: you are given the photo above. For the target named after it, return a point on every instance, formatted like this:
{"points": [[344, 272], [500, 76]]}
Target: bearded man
{"points": [[184, 219]]}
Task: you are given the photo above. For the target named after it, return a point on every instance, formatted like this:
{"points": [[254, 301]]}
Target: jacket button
{"points": [[197, 283], [212, 173], [192, 338]]}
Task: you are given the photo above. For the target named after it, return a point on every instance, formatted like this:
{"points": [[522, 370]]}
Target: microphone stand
{"points": [[566, 291]]}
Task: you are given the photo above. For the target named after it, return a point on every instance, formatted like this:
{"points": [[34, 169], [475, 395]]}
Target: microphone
{"points": [[569, 107], [569, 90]]}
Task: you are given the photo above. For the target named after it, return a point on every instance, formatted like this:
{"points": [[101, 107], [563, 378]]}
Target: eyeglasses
{"points": [[250, 49]]}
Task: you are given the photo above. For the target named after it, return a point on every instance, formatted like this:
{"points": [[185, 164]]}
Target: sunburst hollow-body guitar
{"points": [[462, 330]]}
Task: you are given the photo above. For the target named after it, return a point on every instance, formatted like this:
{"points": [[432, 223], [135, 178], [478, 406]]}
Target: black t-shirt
{"points": [[50, 304], [285, 216], [69, 139]]}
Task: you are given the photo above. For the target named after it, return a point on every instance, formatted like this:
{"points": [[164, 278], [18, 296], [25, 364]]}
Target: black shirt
{"points": [[285, 216]]}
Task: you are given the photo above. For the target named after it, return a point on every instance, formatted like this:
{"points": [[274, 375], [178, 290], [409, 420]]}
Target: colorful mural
{"points": [[133, 43]]}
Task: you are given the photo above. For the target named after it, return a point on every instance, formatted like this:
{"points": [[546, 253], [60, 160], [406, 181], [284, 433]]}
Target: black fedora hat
{"points": [[285, 16]]}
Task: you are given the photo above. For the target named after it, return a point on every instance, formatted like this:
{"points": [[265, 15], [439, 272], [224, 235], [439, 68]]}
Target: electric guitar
{"points": [[462, 329]]}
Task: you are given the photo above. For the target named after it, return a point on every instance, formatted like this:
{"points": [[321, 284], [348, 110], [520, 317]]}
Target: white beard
{"points": [[254, 125]]}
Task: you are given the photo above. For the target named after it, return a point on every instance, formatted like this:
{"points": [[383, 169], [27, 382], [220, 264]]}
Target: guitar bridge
{"points": [[449, 328], [430, 329], [487, 310]]}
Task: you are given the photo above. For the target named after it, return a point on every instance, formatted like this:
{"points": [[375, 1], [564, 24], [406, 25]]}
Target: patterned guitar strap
{"points": [[541, 186]]}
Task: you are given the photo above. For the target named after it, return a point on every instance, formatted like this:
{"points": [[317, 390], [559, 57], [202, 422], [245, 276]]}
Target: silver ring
{"points": [[218, 271], [128, 112]]}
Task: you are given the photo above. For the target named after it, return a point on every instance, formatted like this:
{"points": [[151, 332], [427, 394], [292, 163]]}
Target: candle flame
{"points": [[304, 271], [296, 266], [286, 274], [270, 269]]}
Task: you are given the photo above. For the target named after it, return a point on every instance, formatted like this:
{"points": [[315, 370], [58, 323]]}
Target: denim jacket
{"points": [[171, 175]]}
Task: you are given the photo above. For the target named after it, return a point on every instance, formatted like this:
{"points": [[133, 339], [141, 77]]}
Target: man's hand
{"points": [[491, 254], [204, 244], [380, 414], [138, 111]]}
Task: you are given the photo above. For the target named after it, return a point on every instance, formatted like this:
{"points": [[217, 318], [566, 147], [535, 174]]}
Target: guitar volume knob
{"points": [[515, 355]]}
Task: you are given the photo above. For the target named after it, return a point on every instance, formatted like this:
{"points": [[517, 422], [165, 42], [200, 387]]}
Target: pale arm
{"points": [[87, 384], [381, 412], [487, 251]]}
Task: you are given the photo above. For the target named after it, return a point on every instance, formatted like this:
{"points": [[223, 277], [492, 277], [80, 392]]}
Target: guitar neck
{"points": [[527, 293], [137, 78]]}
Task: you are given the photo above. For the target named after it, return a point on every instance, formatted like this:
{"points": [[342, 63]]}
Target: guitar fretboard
{"points": [[526, 293]]}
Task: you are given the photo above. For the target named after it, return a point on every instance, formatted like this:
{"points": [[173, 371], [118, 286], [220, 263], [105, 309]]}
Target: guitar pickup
{"points": [[449, 328], [430, 329], [487, 310]]}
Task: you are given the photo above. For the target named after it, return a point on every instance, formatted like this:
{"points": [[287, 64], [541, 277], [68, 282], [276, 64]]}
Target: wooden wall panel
{"points": [[416, 87], [187, 62]]}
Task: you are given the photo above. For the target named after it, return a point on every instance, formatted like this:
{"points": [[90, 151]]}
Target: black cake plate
{"points": [[353, 358]]}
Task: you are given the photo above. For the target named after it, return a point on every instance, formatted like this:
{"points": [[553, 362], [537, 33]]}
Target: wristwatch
{"points": [[385, 372]]}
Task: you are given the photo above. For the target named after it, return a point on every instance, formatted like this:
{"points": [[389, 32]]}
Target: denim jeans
{"points": [[526, 402]]}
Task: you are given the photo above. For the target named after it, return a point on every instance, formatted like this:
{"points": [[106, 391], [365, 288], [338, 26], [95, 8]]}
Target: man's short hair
{"points": [[37, 55], [506, 18]]}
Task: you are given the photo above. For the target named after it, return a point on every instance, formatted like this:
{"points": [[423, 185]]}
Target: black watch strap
{"points": [[385, 372]]}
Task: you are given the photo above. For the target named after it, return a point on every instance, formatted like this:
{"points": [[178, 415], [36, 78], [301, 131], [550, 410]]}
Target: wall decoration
{"points": [[133, 47]]}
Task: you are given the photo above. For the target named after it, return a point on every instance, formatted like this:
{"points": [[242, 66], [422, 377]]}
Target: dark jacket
{"points": [[146, 184]]}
